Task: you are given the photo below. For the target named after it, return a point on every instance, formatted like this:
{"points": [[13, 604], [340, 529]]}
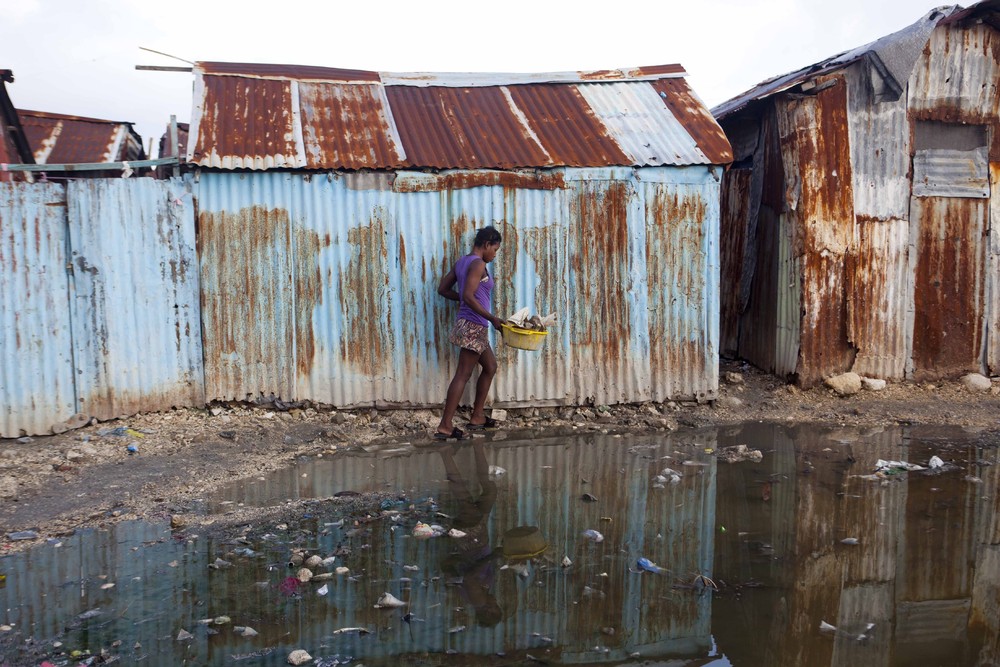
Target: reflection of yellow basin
{"points": [[523, 542]]}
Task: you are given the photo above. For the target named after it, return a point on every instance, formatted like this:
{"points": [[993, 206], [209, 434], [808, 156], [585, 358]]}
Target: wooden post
{"points": [[173, 144]]}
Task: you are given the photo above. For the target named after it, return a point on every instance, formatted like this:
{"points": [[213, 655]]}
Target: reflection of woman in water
{"points": [[473, 559]]}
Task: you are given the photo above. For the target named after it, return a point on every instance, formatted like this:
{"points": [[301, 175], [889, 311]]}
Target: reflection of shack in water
{"points": [[923, 541]]}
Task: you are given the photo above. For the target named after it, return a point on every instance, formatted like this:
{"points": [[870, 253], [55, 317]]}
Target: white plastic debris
{"points": [[566, 562], [497, 471], [850, 541], [323, 590], [593, 535], [457, 534], [826, 627], [882, 465], [422, 531], [411, 568], [935, 462], [389, 601]]}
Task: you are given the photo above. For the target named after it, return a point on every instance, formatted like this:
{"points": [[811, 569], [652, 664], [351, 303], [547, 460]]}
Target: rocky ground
{"points": [[51, 485]]}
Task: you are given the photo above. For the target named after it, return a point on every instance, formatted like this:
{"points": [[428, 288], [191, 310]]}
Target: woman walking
{"points": [[471, 331]]}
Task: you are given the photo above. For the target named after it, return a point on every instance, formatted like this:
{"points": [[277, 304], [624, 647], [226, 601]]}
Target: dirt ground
{"points": [[55, 484]]}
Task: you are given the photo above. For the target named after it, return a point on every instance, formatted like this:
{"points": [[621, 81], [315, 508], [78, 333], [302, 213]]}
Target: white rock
{"points": [[313, 562], [976, 382], [245, 631], [215, 412], [845, 384], [342, 570], [935, 462], [304, 574], [873, 384], [299, 657], [8, 487], [454, 532], [499, 415]]}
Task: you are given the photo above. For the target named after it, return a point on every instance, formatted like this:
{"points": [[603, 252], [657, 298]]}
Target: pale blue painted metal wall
{"points": [[36, 375], [100, 313], [323, 287]]}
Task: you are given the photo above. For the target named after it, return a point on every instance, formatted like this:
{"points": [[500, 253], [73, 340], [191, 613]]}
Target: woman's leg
{"points": [[466, 363], [488, 361]]}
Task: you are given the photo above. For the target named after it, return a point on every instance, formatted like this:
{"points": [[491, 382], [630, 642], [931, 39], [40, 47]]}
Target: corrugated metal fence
{"points": [[322, 287], [100, 311]]}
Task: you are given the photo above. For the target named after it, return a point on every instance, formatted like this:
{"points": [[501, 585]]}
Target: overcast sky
{"points": [[78, 57]]}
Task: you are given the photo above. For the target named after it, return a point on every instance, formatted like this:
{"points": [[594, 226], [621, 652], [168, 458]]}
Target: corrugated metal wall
{"points": [[100, 311], [628, 259]]}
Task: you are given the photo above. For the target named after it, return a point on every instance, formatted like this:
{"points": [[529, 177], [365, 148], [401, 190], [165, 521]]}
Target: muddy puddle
{"points": [[806, 557]]}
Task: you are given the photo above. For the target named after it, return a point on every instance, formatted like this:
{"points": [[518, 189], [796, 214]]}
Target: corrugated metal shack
{"points": [[13, 144], [331, 201], [856, 221], [57, 138]]}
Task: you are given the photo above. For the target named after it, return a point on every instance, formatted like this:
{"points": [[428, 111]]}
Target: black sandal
{"points": [[456, 433], [489, 423]]}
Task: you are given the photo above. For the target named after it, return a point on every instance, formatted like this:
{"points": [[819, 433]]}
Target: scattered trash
{"points": [[593, 535], [323, 590], [497, 471], [219, 564], [411, 568], [826, 627], [935, 462], [973, 479], [132, 449], [422, 531], [649, 566], [184, 634], [304, 574], [890, 467], [245, 631], [347, 631], [389, 601], [22, 535], [740, 453], [92, 613], [342, 570], [105, 587], [566, 562], [456, 629], [454, 532], [850, 541]]}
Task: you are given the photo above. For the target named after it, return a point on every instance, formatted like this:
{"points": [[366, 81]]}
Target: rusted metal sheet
{"points": [[948, 235], [951, 173], [955, 80], [993, 275], [62, 139], [877, 298], [816, 155], [262, 117], [135, 312], [36, 376], [349, 265], [734, 214], [682, 241], [347, 126], [691, 112], [880, 151]]}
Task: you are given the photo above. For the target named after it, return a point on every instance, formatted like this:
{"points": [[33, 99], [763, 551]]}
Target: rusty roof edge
{"points": [[62, 116], [483, 79], [872, 50], [308, 73], [12, 121]]}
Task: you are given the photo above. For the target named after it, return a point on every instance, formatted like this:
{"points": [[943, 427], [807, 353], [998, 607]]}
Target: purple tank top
{"points": [[483, 292]]}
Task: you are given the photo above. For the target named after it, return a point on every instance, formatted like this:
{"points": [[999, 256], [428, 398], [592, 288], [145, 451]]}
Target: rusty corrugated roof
{"points": [[250, 116], [63, 139]]}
